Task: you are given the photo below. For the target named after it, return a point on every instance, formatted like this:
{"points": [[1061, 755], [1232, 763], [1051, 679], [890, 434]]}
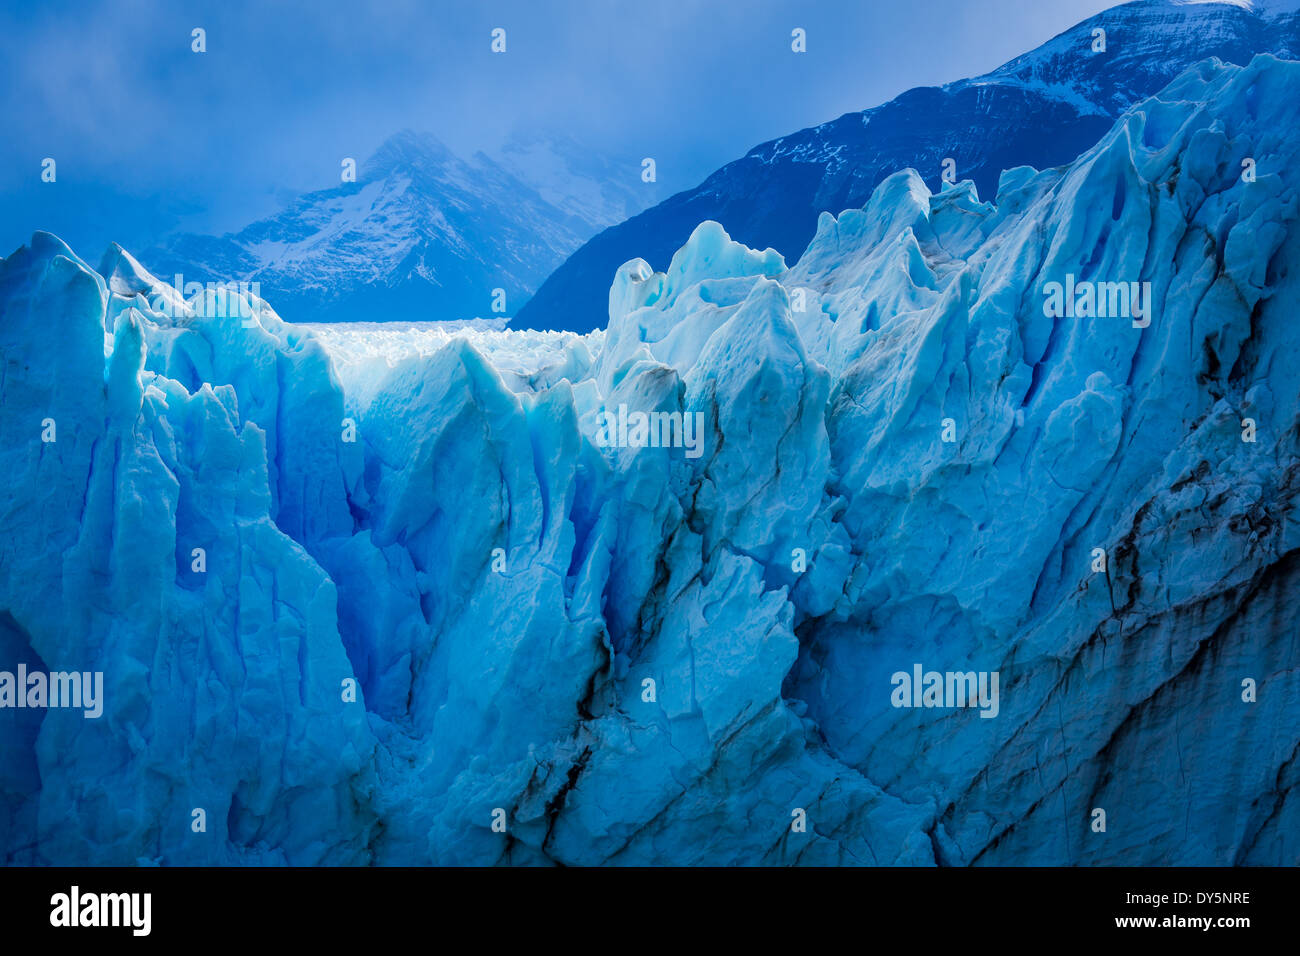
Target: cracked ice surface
{"points": [[517, 678]]}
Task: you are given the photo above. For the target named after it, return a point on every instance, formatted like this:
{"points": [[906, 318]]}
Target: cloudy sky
{"points": [[149, 136]]}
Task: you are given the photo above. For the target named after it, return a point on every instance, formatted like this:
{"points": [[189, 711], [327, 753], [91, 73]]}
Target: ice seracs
{"points": [[437, 620]]}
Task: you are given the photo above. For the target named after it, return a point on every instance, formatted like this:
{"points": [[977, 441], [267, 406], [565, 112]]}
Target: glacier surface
{"points": [[567, 651]]}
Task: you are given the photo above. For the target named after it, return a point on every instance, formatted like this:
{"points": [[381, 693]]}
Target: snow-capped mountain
{"points": [[421, 234], [674, 592], [1041, 109]]}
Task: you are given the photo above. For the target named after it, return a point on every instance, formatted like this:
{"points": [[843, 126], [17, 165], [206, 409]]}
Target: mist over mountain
{"points": [[422, 234], [967, 534]]}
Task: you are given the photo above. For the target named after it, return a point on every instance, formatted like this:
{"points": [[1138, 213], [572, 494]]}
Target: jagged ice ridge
{"points": [[515, 678]]}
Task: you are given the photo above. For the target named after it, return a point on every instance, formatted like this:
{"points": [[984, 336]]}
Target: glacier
{"points": [[378, 595]]}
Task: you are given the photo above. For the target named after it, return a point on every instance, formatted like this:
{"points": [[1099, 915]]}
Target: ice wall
{"points": [[566, 651]]}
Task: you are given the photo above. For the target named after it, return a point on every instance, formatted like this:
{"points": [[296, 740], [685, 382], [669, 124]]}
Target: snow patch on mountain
{"points": [[1040, 109], [422, 235]]}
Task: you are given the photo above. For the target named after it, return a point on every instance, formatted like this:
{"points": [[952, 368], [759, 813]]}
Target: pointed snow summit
{"points": [[421, 235]]}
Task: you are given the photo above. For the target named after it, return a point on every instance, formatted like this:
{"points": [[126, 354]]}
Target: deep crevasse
{"points": [[824, 389]]}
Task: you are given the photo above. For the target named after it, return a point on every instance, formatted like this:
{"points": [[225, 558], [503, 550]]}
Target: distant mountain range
{"points": [[422, 234], [1041, 109]]}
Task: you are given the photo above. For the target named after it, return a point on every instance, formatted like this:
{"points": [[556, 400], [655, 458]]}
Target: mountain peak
{"points": [[407, 149], [1040, 109], [1263, 8], [423, 233]]}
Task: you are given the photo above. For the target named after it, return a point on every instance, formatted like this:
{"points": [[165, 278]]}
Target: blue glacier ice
{"points": [[571, 651]]}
